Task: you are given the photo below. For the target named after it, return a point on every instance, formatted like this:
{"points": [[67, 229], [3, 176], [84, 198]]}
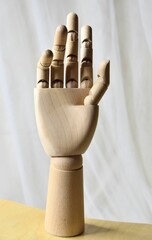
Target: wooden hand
{"points": [[66, 115]]}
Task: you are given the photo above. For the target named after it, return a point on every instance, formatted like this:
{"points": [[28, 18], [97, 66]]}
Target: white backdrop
{"points": [[117, 166]]}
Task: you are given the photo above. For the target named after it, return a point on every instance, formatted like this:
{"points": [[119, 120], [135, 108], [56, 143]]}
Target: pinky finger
{"points": [[43, 69]]}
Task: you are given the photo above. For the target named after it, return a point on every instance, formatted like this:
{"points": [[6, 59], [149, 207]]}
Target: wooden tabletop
{"points": [[20, 222]]}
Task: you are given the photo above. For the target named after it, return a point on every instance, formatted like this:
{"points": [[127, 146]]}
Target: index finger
{"points": [[86, 70]]}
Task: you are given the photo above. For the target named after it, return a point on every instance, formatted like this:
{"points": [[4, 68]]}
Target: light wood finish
{"points": [[65, 125], [65, 207], [66, 120], [101, 84], [43, 69], [57, 66], [18, 221], [86, 70], [66, 128], [96, 92], [72, 51]]}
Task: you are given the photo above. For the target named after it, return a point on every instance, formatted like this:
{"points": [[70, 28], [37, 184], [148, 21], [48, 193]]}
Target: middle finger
{"points": [[71, 76]]}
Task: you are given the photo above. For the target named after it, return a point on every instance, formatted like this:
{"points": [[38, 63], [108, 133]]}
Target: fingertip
{"points": [[72, 22], [46, 58], [72, 14], [104, 71], [105, 64], [61, 28], [60, 35], [86, 33], [48, 53]]}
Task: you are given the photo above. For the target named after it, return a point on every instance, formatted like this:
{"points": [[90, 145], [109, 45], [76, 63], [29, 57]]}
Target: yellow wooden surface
{"points": [[19, 222]]}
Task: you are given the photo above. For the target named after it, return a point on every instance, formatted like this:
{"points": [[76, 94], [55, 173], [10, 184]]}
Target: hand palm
{"points": [[66, 126]]}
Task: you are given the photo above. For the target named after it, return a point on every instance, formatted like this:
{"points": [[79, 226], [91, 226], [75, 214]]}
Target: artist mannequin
{"points": [[66, 116]]}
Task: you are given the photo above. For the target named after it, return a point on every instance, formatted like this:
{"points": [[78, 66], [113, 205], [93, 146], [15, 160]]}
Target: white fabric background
{"points": [[117, 166]]}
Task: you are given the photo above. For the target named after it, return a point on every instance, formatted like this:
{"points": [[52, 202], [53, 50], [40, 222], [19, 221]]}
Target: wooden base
{"points": [[18, 221]]}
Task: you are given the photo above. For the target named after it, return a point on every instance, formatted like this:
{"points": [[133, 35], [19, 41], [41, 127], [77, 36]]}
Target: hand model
{"points": [[66, 117]]}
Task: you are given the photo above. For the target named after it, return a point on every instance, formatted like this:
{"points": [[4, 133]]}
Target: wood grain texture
{"points": [[65, 205], [18, 221], [101, 84], [86, 70], [57, 66], [71, 71], [65, 125]]}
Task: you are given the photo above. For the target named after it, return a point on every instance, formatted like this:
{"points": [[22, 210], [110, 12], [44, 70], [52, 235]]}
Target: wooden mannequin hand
{"points": [[67, 117]]}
